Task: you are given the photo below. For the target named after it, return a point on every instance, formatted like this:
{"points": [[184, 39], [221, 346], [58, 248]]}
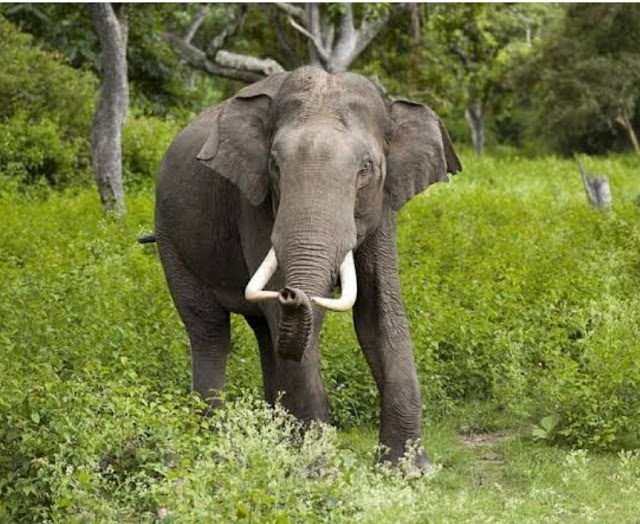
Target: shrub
{"points": [[45, 114], [519, 294], [145, 140], [33, 150]]}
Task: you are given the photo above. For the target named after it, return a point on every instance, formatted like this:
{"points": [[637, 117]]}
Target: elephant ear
{"points": [[237, 147], [420, 152]]}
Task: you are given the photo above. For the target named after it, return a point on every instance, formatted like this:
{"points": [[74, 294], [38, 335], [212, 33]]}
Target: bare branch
{"points": [[197, 59], [231, 27], [266, 66], [292, 10], [195, 24], [346, 22], [352, 42], [368, 31], [285, 44], [218, 62], [343, 52], [313, 23], [317, 44], [328, 33]]}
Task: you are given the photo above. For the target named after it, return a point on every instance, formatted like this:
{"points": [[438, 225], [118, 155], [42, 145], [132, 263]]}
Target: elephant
{"points": [[268, 202]]}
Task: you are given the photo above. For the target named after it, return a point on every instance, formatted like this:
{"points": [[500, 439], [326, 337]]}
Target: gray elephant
{"points": [[268, 201]]}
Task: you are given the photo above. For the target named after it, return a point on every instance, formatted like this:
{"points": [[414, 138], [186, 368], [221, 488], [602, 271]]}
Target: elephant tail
{"points": [[147, 239]]}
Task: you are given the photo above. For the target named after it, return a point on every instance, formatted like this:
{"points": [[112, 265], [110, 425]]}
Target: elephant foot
{"points": [[411, 459]]}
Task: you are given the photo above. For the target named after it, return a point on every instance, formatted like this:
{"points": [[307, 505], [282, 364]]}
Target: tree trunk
{"points": [[475, 119], [626, 124], [596, 188], [111, 110], [415, 43]]}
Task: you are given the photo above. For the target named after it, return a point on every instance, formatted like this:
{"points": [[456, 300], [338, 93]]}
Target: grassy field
{"points": [[524, 310]]}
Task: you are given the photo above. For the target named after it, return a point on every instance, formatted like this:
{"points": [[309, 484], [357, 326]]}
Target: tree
{"points": [[586, 77], [478, 44], [112, 106], [159, 83], [336, 35]]}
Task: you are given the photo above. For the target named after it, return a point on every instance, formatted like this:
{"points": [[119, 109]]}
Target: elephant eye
{"points": [[365, 167], [365, 173]]}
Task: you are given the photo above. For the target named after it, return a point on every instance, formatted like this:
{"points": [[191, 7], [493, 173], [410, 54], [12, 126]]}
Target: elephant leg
{"points": [[268, 359], [206, 322], [298, 385], [302, 389], [383, 333]]}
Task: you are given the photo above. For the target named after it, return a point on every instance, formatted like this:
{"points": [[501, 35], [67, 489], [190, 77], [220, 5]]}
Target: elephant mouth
{"points": [[255, 292]]}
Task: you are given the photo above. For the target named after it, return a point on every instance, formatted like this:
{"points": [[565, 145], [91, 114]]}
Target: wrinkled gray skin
{"points": [[314, 165]]}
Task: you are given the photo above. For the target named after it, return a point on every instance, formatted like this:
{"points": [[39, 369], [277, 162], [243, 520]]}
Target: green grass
{"points": [[524, 311]]}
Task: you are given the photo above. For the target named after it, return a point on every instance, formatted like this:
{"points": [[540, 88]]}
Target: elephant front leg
{"points": [[210, 345], [383, 333], [206, 322]]}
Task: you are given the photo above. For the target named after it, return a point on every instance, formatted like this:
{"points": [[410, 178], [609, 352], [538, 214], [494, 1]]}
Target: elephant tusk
{"points": [[254, 292], [349, 285]]}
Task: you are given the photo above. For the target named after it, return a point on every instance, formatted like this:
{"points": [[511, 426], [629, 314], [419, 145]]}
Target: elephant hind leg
{"points": [[206, 322]]}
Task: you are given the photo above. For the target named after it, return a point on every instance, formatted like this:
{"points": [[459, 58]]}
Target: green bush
{"points": [[45, 113], [520, 294], [33, 150], [145, 140]]}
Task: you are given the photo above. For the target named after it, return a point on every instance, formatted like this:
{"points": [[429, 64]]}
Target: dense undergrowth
{"points": [[524, 311]]}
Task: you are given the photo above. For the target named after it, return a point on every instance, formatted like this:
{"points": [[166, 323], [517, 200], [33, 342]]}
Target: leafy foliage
{"points": [[586, 75], [45, 115], [144, 142], [160, 84], [521, 295]]}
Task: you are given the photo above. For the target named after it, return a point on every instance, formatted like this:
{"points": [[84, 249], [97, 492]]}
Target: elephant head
{"points": [[329, 153]]}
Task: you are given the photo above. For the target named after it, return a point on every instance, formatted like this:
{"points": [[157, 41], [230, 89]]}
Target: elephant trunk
{"points": [[296, 323], [312, 246], [308, 270]]}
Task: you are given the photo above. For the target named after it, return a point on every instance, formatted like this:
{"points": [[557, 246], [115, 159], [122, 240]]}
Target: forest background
{"points": [[538, 78]]}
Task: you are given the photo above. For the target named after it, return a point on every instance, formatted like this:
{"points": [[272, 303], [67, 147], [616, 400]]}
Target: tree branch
{"points": [[317, 44], [198, 59], [328, 33], [231, 27], [352, 42], [265, 66], [313, 23], [466, 62], [292, 10], [368, 31], [195, 24], [216, 61], [343, 52], [284, 42]]}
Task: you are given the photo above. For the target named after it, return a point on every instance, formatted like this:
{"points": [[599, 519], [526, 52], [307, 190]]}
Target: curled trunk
{"points": [[296, 324]]}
